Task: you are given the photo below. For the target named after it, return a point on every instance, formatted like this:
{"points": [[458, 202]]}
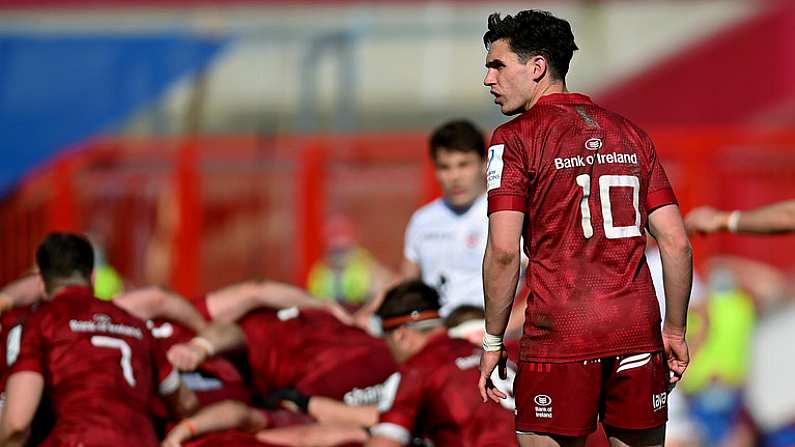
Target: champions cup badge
{"points": [[594, 144]]}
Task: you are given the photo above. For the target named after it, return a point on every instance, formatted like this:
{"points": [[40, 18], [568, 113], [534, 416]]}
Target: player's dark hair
{"points": [[60, 255], [408, 297], [458, 136], [464, 313], [533, 33]]}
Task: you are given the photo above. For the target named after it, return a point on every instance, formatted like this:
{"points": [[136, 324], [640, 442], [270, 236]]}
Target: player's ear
{"points": [[538, 67]]}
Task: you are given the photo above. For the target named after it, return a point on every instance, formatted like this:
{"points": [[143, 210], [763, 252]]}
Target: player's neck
{"points": [[427, 336], [61, 284], [461, 209], [544, 89]]}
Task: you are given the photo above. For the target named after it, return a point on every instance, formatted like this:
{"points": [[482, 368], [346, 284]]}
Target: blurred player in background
{"points": [[346, 272], [99, 365], [582, 184], [769, 399], [445, 239], [434, 395], [771, 219]]}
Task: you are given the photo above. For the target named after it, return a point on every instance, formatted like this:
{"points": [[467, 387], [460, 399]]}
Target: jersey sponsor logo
{"points": [[579, 161], [543, 406], [543, 400], [370, 395], [658, 401], [473, 239], [103, 323], [102, 318], [494, 168], [594, 144]]}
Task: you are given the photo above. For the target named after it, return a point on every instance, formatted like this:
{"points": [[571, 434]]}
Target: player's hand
{"points": [[705, 220], [177, 436], [676, 354], [490, 360], [186, 356]]}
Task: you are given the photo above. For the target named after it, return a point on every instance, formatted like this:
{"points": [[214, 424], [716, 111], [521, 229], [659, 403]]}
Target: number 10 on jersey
{"points": [[605, 183]]}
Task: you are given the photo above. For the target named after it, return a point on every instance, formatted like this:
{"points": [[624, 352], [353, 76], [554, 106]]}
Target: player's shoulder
{"points": [[428, 213], [626, 124], [515, 127]]}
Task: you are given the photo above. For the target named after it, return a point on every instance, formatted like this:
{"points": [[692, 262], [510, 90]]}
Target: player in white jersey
{"points": [[446, 247], [445, 240]]}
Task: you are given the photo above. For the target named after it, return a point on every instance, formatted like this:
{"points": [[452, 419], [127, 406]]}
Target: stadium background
{"points": [[203, 143]]}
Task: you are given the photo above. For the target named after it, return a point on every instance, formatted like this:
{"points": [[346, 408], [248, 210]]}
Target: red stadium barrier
{"points": [[196, 214]]}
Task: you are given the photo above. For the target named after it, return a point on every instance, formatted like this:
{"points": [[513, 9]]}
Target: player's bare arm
{"points": [[667, 227], [500, 277], [183, 402], [382, 441], [23, 394], [775, 218], [313, 435], [219, 416], [218, 337], [231, 303], [333, 411], [156, 302], [24, 291]]}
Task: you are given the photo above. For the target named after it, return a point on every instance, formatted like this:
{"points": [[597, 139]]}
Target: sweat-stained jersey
{"points": [[435, 396], [101, 369], [586, 180], [313, 352]]}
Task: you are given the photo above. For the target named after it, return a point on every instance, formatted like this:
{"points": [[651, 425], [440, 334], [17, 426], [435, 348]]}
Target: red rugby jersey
{"points": [[313, 352], [437, 398], [101, 369], [215, 379], [586, 179]]}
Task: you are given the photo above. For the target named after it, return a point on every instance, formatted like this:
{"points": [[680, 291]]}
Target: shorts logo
{"points": [[543, 406], [594, 144], [658, 401]]}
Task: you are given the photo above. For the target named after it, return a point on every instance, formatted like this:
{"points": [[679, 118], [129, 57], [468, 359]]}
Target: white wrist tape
{"points": [[492, 342], [733, 221], [204, 344]]}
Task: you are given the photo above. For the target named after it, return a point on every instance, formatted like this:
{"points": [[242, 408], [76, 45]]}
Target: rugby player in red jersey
{"points": [[582, 185], [98, 364], [434, 394], [305, 349]]}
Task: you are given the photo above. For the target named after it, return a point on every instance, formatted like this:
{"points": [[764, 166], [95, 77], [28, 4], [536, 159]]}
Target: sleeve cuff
{"points": [[392, 431], [507, 202], [23, 365], [170, 384], [659, 198]]}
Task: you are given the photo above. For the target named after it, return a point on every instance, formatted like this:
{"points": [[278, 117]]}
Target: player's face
{"points": [[461, 176], [395, 342], [508, 79]]}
